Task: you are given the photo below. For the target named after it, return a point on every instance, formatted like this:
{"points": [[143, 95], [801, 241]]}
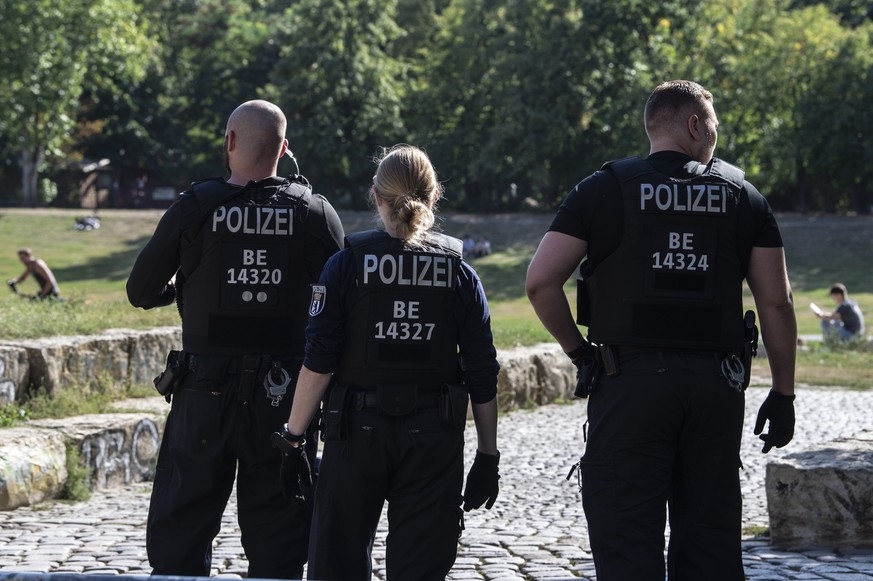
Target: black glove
{"points": [[295, 475], [482, 482], [779, 409], [586, 365]]}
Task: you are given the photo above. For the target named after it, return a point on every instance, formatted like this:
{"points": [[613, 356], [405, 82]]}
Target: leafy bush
{"points": [[11, 415], [77, 486]]}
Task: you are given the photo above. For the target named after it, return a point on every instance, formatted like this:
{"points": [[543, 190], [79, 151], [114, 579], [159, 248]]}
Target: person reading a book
{"points": [[846, 321]]}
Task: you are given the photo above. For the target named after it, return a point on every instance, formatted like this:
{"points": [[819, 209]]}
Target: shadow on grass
{"points": [[113, 266]]}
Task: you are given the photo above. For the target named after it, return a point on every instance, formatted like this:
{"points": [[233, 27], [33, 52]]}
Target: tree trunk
{"points": [[30, 162]]}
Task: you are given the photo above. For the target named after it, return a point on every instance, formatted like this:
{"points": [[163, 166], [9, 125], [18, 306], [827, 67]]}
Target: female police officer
{"points": [[401, 325]]}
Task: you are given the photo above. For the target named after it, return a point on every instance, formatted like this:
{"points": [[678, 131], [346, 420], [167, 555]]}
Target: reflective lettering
{"points": [[404, 310], [422, 277], [258, 257], [370, 265], [683, 240], [260, 220], [410, 269], [674, 197]]}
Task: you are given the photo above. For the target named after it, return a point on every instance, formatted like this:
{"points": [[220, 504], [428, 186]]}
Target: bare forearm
{"points": [[768, 280], [553, 310], [557, 256], [307, 396], [779, 332]]}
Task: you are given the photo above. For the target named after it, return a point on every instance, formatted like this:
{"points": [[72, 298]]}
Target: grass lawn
{"points": [[92, 269]]}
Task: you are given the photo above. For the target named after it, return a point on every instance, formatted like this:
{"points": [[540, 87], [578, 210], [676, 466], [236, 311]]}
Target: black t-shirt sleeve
{"points": [[593, 212], [574, 215], [324, 232], [148, 285], [766, 234]]}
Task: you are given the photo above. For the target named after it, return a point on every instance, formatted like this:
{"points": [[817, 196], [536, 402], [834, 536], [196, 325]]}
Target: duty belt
{"points": [[612, 356], [274, 372], [368, 399]]}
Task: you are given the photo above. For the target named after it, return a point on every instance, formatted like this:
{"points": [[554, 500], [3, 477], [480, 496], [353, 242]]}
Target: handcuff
{"points": [[734, 371], [276, 389]]}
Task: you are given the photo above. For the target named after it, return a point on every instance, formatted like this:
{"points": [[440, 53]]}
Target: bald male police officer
{"points": [[668, 241], [244, 252]]}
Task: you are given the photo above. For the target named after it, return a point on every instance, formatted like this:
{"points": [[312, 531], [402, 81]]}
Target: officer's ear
{"points": [[694, 127]]}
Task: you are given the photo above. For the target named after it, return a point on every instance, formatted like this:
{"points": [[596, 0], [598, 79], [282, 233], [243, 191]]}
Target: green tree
{"points": [[49, 51], [211, 56], [851, 12], [341, 85], [791, 89], [536, 93]]}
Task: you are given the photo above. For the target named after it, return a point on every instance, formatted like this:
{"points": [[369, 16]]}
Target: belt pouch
{"points": [[167, 381], [396, 399], [336, 412], [453, 405], [247, 377]]}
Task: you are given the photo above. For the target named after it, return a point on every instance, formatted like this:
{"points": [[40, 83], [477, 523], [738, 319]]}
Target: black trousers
{"points": [[414, 462], [212, 438], [664, 433]]}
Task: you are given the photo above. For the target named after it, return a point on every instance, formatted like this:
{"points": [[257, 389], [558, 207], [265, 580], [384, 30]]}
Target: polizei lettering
{"points": [[697, 198], [409, 270], [266, 220]]}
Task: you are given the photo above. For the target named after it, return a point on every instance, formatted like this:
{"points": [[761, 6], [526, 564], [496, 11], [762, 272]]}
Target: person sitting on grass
{"points": [[846, 322], [42, 274]]}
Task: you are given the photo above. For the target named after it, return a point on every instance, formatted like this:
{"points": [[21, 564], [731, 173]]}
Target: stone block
{"points": [[148, 352], [534, 376], [125, 356], [32, 466], [119, 448], [14, 373], [824, 496], [59, 362]]}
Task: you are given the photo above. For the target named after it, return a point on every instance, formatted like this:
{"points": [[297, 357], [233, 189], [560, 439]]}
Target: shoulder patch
{"points": [[317, 303]]}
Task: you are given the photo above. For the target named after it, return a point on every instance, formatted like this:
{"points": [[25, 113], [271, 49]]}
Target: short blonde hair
{"points": [[406, 182]]}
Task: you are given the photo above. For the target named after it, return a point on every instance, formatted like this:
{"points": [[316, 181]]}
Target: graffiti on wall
{"points": [[116, 459], [7, 386]]}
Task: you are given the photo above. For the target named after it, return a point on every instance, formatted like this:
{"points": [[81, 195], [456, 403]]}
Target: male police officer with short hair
{"points": [[244, 253], [668, 241]]}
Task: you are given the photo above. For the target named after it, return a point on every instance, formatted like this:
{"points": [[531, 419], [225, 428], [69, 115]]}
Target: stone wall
{"points": [[121, 448], [528, 375], [123, 356]]}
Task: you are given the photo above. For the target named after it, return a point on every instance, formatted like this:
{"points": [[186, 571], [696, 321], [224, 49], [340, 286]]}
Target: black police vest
{"points": [[250, 290], [675, 280], [401, 329]]}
